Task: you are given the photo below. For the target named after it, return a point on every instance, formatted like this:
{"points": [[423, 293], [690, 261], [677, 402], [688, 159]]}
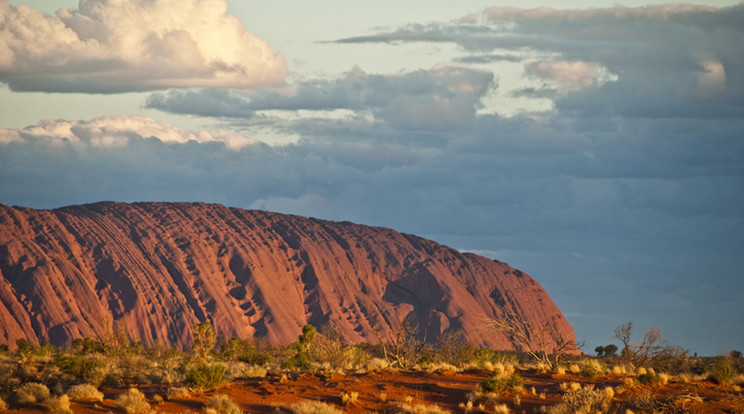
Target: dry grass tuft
{"points": [[349, 398], [32, 392], [134, 402], [314, 407], [420, 409], [59, 405], [177, 393], [501, 409], [84, 392], [222, 404]]}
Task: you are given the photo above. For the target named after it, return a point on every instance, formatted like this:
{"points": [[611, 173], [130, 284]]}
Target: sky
{"points": [[596, 145]]}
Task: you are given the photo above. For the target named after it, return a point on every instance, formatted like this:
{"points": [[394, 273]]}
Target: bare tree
{"points": [[652, 350], [402, 347], [545, 346], [622, 333]]}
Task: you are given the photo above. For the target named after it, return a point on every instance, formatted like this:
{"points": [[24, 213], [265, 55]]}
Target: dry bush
{"points": [[32, 392], [419, 409], [59, 405], [501, 409], [498, 385], [3, 405], [583, 401], [646, 402], [592, 368], [545, 344], [222, 404], [176, 393], [84, 392], [377, 364], [314, 407], [243, 370], [329, 352], [403, 348], [128, 367], [439, 367], [134, 402], [652, 351], [349, 398]]}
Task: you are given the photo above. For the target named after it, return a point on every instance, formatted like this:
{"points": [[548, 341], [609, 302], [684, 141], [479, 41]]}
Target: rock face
{"points": [[156, 269]]}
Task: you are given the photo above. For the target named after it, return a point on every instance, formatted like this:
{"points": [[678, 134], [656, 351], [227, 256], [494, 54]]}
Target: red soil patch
{"points": [[379, 391]]}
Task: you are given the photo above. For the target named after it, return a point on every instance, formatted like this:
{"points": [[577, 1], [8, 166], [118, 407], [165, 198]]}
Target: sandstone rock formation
{"points": [[156, 269]]}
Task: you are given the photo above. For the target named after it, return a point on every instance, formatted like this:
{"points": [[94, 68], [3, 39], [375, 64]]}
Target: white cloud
{"points": [[568, 75], [113, 132], [127, 45], [713, 75]]}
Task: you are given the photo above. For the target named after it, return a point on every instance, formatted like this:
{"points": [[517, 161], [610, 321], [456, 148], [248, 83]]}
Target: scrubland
{"points": [[320, 374]]}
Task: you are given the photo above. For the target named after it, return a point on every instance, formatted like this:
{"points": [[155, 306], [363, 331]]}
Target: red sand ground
{"points": [[381, 390]]}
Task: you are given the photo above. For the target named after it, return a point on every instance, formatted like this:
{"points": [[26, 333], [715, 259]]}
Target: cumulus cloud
{"points": [[110, 46], [671, 60], [443, 98]]}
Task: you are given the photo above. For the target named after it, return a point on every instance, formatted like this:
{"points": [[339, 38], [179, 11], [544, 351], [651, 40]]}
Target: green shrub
{"points": [[84, 392], [301, 358], [723, 373], [133, 402], [32, 392], [205, 377], [299, 361], [499, 384], [256, 358], [86, 369], [222, 404], [86, 346]]}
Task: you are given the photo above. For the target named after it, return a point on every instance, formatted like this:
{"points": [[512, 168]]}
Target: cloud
{"points": [[569, 76], [110, 46], [713, 75], [111, 132], [442, 98], [671, 60]]}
